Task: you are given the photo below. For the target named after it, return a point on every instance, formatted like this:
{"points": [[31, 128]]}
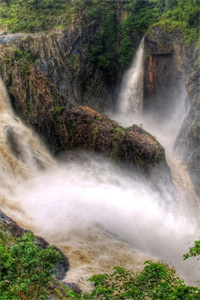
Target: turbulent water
{"points": [[99, 215]]}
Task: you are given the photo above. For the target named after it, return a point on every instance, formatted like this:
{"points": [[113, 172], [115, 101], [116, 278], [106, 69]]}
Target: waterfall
{"points": [[21, 152], [99, 215], [131, 93]]}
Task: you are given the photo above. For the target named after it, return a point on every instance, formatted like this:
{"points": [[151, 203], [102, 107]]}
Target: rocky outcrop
{"points": [[172, 66]]}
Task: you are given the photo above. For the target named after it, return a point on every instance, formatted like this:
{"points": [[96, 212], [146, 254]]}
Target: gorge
{"points": [[74, 168]]}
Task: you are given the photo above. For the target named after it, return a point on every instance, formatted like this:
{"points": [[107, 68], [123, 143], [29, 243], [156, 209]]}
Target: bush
{"points": [[156, 281], [26, 270]]}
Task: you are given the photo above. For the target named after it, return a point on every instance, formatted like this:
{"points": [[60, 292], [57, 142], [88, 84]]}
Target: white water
{"points": [[131, 93], [97, 213]]}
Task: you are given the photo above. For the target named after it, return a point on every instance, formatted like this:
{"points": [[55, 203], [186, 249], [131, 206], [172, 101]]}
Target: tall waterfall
{"points": [[131, 94], [98, 214]]}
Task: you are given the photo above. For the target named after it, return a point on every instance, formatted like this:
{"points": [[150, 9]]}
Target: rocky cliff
{"points": [[171, 66], [61, 57]]}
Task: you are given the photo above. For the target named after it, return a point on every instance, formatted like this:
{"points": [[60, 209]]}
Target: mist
{"points": [[85, 193]]}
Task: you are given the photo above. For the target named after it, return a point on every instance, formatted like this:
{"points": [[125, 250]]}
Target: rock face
{"points": [[171, 66], [164, 73], [62, 58]]}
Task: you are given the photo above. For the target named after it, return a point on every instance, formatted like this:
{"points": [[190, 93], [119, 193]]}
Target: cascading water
{"points": [[95, 212], [21, 152], [131, 93]]}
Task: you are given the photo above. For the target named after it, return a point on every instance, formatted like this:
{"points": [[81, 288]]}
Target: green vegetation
{"points": [[32, 15], [25, 270], [119, 133], [193, 251], [156, 281], [102, 47], [26, 273], [119, 24], [183, 15], [19, 54]]}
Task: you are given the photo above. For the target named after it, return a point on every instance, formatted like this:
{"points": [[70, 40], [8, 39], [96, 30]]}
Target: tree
{"points": [[26, 270]]}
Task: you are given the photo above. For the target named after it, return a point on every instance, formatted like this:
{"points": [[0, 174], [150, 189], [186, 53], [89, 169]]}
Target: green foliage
{"points": [[19, 54], [184, 15], [193, 251], [156, 281], [102, 48], [33, 15], [142, 15], [120, 24], [26, 270]]}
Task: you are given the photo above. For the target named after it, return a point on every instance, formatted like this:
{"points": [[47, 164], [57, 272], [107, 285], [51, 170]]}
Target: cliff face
{"points": [[164, 73], [61, 58], [170, 67]]}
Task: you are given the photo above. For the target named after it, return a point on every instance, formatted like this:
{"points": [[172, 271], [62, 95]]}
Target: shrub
{"points": [[26, 270]]}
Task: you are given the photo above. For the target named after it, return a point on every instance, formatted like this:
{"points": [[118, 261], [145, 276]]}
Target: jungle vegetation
{"points": [[121, 22]]}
